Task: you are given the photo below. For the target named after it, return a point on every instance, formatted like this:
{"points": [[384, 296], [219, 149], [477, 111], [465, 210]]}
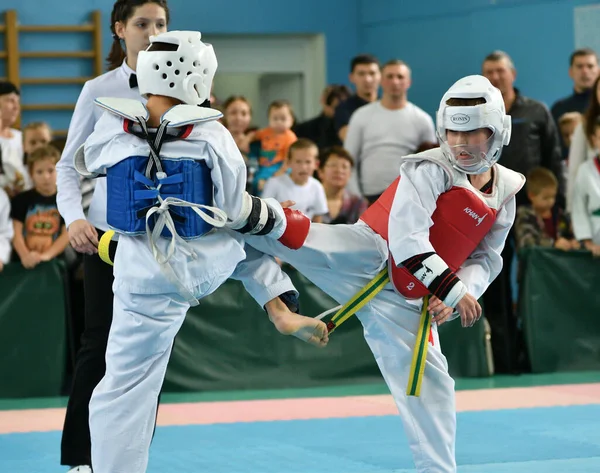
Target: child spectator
{"points": [[275, 142], [40, 233], [541, 223], [35, 135], [299, 186], [586, 199], [567, 124]]}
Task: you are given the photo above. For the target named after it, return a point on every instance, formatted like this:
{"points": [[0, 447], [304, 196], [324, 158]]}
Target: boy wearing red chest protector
{"points": [[439, 229]]}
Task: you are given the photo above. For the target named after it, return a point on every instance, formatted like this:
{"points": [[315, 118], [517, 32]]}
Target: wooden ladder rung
{"points": [[48, 106], [55, 29], [11, 29], [56, 54], [54, 80]]}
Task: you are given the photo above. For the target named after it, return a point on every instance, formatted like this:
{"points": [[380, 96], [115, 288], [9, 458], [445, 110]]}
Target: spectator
{"points": [[582, 142], [567, 124], [321, 129], [534, 142], [299, 185], [382, 132], [365, 75], [6, 230], [275, 141], [586, 199], [13, 174], [35, 135], [541, 223], [237, 115], [10, 109], [335, 168], [583, 70], [40, 233]]}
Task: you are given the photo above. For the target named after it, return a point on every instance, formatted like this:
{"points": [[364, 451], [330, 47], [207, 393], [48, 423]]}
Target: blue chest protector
{"points": [[131, 195], [138, 183]]}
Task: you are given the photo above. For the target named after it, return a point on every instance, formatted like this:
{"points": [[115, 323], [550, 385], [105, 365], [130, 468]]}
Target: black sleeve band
{"points": [[441, 284], [261, 219]]}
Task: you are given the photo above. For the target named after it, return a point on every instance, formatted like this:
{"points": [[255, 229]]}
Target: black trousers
{"points": [[508, 347], [90, 364], [75, 307]]}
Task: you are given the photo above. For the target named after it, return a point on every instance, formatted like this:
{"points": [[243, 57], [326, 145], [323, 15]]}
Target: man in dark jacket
{"points": [[583, 70], [321, 129], [535, 139], [535, 142]]}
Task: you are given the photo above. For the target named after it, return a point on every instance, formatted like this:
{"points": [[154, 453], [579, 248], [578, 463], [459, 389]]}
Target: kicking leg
{"points": [[332, 257]]}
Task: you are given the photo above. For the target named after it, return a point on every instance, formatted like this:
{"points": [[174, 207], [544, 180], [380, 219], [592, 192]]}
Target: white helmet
{"points": [[177, 64], [474, 159]]}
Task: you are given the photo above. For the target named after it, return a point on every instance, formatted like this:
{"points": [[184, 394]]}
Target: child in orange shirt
{"points": [[275, 141]]}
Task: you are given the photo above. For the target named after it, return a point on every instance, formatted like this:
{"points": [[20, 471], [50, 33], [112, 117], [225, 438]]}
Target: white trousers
{"points": [[147, 314], [145, 322], [123, 405], [341, 260]]}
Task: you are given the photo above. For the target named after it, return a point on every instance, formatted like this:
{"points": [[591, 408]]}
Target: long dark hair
{"points": [[591, 114], [122, 11]]}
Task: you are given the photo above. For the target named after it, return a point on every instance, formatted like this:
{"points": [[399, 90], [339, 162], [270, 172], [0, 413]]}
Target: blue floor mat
{"points": [[545, 440]]}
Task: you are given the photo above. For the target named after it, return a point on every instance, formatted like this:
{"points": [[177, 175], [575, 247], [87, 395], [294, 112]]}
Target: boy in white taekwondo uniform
{"points": [[440, 228], [166, 165], [586, 200]]}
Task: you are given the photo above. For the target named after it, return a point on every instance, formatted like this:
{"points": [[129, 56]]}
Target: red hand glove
{"points": [[296, 229]]}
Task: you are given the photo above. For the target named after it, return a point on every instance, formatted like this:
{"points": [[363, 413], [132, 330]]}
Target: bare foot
{"points": [[307, 329]]}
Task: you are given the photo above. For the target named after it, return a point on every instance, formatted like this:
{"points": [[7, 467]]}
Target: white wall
{"points": [[269, 67]]}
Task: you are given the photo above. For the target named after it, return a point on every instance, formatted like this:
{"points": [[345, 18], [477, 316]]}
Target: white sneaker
{"points": [[80, 469]]}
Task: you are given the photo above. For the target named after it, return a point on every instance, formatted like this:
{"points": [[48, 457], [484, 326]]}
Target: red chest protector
{"points": [[460, 222]]}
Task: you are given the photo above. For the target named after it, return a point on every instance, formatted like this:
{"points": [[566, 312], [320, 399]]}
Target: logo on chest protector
{"points": [[469, 211]]}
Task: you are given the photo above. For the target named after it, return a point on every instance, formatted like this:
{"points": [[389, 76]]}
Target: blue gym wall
{"points": [[336, 19], [440, 39], [443, 40]]}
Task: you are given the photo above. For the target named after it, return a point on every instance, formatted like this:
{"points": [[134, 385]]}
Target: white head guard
{"points": [[177, 64], [491, 115]]}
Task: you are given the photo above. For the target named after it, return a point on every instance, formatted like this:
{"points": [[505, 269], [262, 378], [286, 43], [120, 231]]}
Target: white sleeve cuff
{"points": [[455, 295]]}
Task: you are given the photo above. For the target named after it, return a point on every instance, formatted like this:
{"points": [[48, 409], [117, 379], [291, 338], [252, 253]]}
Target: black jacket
{"points": [[320, 129], [534, 141]]}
